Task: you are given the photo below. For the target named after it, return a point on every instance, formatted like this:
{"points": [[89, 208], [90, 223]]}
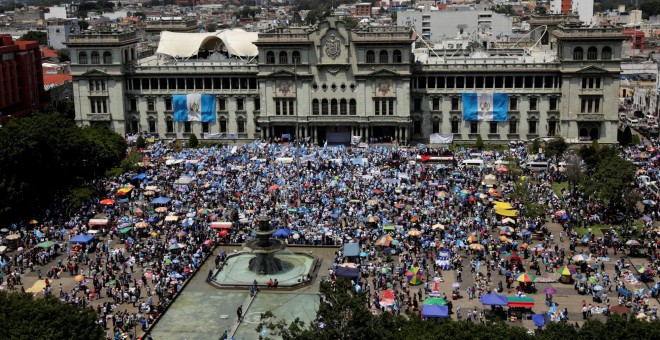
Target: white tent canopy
{"points": [[185, 45]]}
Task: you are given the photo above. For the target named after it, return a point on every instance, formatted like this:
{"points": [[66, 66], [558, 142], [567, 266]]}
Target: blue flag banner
{"points": [[194, 107], [489, 107]]}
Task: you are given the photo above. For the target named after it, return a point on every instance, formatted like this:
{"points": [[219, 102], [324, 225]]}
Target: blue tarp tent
{"points": [[540, 320], [81, 238], [282, 233], [494, 300], [624, 292], [351, 249], [160, 200], [435, 311], [139, 177], [349, 273]]}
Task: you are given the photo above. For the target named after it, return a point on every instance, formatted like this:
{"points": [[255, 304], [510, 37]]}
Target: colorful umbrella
{"points": [[273, 187], [472, 239], [414, 232], [203, 211], [441, 194], [648, 202], [384, 240], [566, 270], [108, 201], [477, 246], [581, 258], [524, 277], [645, 270], [507, 229], [414, 276], [550, 291]]}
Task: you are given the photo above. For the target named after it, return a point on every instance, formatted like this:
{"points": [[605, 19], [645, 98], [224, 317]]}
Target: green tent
{"points": [[46, 244], [110, 283], [388, 227], [125, 230], [435, 301]]}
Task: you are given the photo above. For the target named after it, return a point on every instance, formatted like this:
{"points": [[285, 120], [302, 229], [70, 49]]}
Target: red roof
{"points": [[56, 79], [48, 53]]}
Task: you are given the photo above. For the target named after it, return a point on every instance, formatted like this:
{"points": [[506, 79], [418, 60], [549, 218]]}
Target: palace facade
{"points": [[329, 83]]}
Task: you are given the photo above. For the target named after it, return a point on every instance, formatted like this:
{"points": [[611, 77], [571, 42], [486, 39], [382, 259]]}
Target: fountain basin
{"points": [[236, 271]]}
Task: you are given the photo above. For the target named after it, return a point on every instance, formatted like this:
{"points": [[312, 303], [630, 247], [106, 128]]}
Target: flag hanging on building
{"points": [[194, 107], [486, 107]]}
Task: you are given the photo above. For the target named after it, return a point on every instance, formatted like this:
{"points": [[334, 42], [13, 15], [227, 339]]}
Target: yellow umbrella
{"points": [[502, 205], [507, 213], [477, 246], [414, 232], [438, 226], [141, 225], [79, 278]]}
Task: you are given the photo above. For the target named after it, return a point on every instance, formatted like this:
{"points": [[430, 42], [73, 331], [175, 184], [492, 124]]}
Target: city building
{"points": [[583, 8], [21, 79], [330, 83], [363, 10], [441, 25], [59, 31]]}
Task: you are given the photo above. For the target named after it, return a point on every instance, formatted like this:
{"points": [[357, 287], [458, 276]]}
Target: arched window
{"points": [[592, 53], [606, 54], [383, 57], [107, 57], [577, 53], [343, 107], [324, 107], [584, 132], [270, 57], [371, 57], [352, 107], [284, 58], [95, 57], [333, 107], [396, 56], [82, 58], [126, 55], [295, 57], [315, 107]]}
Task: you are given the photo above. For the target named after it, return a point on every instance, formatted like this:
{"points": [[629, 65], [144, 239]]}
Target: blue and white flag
{"points": [[490, 107], [194, 107]]}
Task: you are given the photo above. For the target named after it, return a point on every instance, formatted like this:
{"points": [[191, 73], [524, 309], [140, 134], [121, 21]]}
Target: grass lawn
{"points": [[557, 186], [596, 228]]}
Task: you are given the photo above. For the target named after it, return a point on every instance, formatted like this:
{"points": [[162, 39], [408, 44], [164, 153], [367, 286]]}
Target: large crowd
{"points": [[152, 228]]}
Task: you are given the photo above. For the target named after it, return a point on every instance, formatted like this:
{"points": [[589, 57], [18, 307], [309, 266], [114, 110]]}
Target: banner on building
{"points": [[437, 138], [194, 107], [489, 107]]}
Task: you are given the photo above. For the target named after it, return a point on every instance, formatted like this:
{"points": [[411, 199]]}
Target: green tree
{"points": [[536, 145], [635, 140], [140, 142], [556, 147], [479, 143], [193, 142], [47, 154], [38, 36], [626, 136], [24, 317], [63, 55], [612, 179]]}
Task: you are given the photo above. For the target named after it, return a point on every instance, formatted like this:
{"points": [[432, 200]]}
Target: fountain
{"points": [[264, 258], [264, 247]]}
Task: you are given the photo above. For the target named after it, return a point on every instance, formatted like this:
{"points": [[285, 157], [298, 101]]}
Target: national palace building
{"points": [[329, 83]]}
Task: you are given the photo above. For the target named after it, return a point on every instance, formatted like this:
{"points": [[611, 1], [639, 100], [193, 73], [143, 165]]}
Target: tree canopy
{"points": [[24, 317], [47, 154], [344, 315], [39, 36], [611, 177]]}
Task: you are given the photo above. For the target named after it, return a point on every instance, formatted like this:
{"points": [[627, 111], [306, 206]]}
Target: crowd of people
{"points": [[153, 228]]}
